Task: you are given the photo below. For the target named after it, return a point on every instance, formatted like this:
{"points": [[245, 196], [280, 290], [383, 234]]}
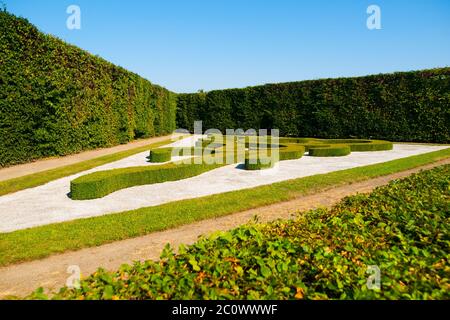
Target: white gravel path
{"points": [[49, 203]]}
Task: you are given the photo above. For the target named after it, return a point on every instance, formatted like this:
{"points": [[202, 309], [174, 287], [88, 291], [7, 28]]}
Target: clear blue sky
{"points": [[213, 44]]}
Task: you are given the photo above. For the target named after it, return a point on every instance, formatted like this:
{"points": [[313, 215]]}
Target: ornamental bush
{"points": [[160, 155], [56, 99], [331, 151], [102, 183], [256, 162], [401, 228]]}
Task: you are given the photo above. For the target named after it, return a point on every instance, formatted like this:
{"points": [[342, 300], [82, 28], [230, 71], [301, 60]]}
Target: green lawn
{"points": [[43, 241], [40, 178]]}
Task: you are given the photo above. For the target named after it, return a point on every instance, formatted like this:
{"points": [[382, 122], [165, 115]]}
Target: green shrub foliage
{"points": [[102, 183], [257, 162], [57, 99], [323, 254], [406, 106], [331, 151], [160, 155]]}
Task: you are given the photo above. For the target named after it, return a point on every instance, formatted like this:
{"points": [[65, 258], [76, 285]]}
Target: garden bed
{"points": [[255, 154]]}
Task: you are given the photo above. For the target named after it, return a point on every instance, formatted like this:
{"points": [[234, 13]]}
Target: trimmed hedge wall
{"points": [[102, 183], [363, 145], [160, 155], [331, 151], [258, 163], [291, 151], [406, 106], [57, 99]]}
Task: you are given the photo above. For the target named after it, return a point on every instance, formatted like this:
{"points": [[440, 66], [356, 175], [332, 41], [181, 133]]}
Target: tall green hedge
{"points": [[407, 106], [57, 99]]}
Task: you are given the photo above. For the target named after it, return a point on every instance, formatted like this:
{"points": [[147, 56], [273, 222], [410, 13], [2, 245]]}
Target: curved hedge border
{"points": [[291, 151], [359, 145], [256, 162], [102, 183], [332, 151], [165, 154], [160, 155]]}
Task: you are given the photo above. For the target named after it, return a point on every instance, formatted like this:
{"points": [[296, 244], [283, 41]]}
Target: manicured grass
{"points": [[40, 178], [43, 241]]}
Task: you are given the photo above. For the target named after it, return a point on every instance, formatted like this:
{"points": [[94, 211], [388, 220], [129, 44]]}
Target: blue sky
{"points": [[214, 44]]}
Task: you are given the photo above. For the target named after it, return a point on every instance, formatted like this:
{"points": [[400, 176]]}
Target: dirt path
{"points": [[52, 163], [51, 274]]}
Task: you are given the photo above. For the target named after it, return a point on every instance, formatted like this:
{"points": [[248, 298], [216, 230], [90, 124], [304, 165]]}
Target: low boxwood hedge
{"points": [[259, 163], [203, 143], [331, 151], [286, 152], [401, 228], [374, 145], [160, 155], [165, 154], [291, 152], [357, 145], [102, 183], [299, 140]]}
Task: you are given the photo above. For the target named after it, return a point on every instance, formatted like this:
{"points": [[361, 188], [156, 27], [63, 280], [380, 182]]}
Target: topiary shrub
{"points": [[291, 152], [299, 140], [102, 183], [374, 145], [161, 155], [362, 145], [259, 163], [332, 151]]}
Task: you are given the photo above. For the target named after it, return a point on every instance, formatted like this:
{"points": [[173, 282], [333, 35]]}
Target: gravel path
{"points": [[49, 203], [51, 273]]}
